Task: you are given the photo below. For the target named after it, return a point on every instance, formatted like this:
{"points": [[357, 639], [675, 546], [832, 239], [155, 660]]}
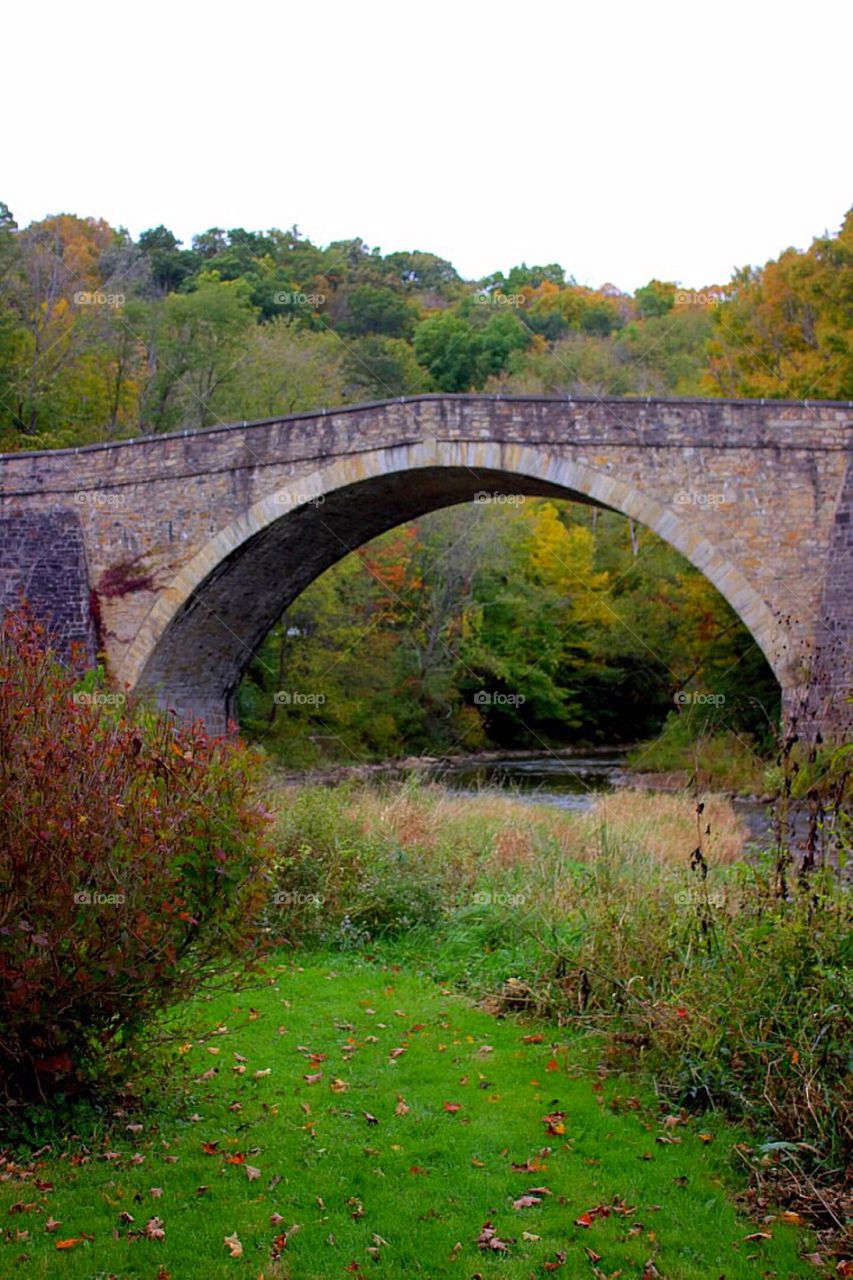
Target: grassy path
{"points": [[389, 1148]]}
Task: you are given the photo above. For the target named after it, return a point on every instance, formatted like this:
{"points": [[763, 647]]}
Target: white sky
{"points": [[623, 140]]}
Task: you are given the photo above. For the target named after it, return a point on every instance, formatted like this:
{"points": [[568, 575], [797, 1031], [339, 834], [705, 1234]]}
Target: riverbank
{"points": [[644, 917]]}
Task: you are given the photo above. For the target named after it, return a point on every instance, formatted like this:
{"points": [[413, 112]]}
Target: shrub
{"points": [[131, 858]]}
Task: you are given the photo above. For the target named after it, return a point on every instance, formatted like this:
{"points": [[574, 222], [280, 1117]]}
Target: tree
{"points": [[171, 266], [423, 271], [656, 298], [197, 344], [447, 348], [284, 369], [376, 368], [786, 329], [372, 309]]}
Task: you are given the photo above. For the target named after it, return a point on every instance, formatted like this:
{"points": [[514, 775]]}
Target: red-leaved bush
{"points": [[132, 860]]}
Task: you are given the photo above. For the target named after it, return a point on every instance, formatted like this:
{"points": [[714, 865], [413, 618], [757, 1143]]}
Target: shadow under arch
{"points": [[200, 634]]}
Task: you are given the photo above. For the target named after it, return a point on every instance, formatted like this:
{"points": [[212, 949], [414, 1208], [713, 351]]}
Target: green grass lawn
{"points": [[405, 1138]]}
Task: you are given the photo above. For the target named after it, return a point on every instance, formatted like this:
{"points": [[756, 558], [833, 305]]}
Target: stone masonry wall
{"points": [[758, 488]]}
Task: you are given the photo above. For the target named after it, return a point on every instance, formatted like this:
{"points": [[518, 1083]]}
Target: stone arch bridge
{"points": [[173, 555]]}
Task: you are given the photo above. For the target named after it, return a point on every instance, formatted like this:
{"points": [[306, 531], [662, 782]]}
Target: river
{"points": [[572, 782]]}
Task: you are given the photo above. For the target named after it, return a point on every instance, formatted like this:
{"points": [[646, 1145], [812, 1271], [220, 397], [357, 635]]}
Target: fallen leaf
{"points": [[233, 1243], [154, 1229], [488, 1239], [554, 1122], [252, 1173], [452, 1107], [69, 1244]]}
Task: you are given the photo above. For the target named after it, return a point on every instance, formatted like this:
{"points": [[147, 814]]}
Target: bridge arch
{"points": [[199, 635]]}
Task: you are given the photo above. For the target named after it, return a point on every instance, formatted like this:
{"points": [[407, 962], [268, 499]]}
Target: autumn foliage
{"points": [[131, 858]]}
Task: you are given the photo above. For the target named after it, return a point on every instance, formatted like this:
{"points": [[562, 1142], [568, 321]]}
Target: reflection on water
{"points": [[568, 783]]}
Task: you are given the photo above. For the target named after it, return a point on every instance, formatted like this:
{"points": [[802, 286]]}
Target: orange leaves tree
{"points": [[132, 859], [785, 330]]}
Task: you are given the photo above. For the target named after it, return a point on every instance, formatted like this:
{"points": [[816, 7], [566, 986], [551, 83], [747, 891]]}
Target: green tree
{"points": [[283, 369], [372, 309], [197, 344], [376, 368], [446, 346], [657, 298]]}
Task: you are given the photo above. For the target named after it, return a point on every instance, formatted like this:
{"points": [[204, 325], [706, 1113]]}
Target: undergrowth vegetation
{"points": [[641, 918]]}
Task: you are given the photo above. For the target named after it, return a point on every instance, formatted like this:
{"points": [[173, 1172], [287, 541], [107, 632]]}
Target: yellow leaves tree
{"points": [[787, 329]]}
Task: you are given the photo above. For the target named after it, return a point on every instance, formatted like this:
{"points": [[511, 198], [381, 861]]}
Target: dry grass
{"points": [[503, 832], [665, 827]]}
